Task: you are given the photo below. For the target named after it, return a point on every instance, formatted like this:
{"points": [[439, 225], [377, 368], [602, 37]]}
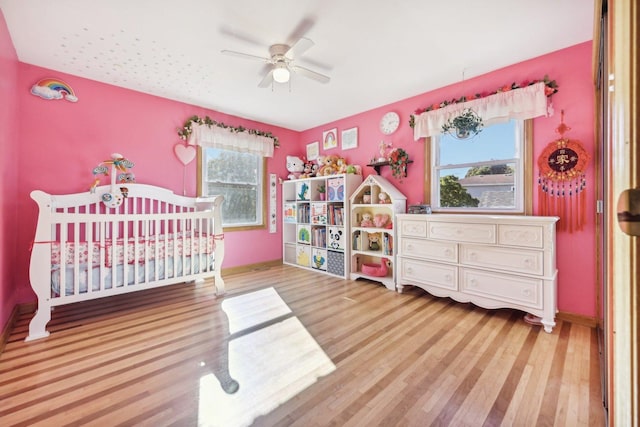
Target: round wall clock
{"points": [[389, 123]]}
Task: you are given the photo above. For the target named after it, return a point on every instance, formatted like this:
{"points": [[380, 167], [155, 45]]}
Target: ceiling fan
{"points": [[281, 62]]}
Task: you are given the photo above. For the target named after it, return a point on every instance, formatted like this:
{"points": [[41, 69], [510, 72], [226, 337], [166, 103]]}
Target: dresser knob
{"points": [[473, 256], [448, 252], [527, 292], [448, 278], [473, 283]]}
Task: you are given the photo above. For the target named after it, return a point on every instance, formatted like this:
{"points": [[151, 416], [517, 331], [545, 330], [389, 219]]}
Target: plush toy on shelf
{"points": [[381, 220], [374, 241], [295, 166], [309, 170], [383, 198], [366, 220]]}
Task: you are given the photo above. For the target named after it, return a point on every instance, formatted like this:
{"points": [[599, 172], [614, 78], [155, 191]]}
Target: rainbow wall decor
{"points": [[50, 88]]}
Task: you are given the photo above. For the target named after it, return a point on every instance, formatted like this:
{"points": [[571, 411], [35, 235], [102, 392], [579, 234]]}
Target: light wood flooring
{"points": [[293, 347]]}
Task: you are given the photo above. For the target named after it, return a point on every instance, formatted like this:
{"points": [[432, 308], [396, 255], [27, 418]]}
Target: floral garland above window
{"points": [[185, 131], [550, 89]]}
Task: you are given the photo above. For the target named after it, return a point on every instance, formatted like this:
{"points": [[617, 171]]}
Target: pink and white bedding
{"points": [[85, 250], [138, 249]]}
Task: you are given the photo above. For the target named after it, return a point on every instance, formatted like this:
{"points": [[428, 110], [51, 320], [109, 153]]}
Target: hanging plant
{"points": [[467, 124], [398, 159], [185, 131]]}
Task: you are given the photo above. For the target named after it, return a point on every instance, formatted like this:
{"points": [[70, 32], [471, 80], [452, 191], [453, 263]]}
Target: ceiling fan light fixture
{"points": [[281, 73]]}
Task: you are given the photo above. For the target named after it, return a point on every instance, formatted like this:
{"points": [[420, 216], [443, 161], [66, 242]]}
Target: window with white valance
{"points": [[523, 103], [232, 163], [229, 139]]}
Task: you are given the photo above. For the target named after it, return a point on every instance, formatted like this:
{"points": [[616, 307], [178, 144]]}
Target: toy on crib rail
{"points": [[114, 198]]}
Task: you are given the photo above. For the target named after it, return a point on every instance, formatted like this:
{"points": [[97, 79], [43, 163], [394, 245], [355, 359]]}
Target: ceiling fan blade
{"points": [[301, 29], [311, 74], [245, 55], [240, 35], [267, 80], [299, 47]]}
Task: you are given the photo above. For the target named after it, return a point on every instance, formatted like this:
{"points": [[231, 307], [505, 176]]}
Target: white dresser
{"points": [[489, 260]]}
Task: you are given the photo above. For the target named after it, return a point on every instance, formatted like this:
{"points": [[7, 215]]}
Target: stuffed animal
{"points": [[341, 165], [295, 166], [374, 241], [329, 165], [308, 171], [383, 198], [380, 220], [354, 169], [366, 220]]}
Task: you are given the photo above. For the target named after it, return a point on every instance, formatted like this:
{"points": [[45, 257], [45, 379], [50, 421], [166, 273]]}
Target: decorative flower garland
{"points": [[550, 89], [398, 159], [185, 131]]}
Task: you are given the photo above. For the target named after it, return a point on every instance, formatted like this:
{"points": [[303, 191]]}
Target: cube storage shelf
{"points": [[316, 225], [374, 205]]}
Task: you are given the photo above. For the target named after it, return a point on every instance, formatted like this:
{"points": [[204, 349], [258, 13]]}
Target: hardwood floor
{"points": [[306, 350]]}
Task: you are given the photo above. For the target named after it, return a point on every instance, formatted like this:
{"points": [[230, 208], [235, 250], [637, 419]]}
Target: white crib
{"points": [[85, 250]]}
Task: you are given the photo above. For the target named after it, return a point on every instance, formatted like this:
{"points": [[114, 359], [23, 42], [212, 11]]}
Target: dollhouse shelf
{"points": [[377, 165]]}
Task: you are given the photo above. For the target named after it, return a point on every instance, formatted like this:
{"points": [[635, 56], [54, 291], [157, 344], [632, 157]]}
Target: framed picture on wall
{"points": [[349, 138], [330, 139], [313, 150]]}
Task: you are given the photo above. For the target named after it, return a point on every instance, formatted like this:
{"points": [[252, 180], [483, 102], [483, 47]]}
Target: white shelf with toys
{"points": [[374, 205], [316, 222]]}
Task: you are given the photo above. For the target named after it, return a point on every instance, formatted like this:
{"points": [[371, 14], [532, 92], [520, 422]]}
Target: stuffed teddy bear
{"points": [[366, 220], [329, 165], [380, 220], [295, 166]]}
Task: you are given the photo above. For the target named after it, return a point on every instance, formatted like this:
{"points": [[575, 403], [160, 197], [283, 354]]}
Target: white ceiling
{"points": [[376, 51]]}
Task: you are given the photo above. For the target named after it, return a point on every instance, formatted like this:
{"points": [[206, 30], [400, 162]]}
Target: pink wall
{"points": [[61, 142], [58, 143], [576, 251], [8, 159]]}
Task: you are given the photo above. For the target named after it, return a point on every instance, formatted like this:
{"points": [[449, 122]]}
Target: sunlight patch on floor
{"points": [[272, 363]]}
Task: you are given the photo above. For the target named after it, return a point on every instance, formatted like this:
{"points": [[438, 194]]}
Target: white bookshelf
{"points": [[315, 232]]}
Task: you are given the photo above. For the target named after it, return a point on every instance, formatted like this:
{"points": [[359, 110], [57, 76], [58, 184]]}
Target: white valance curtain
{"points": [[524, 103], [227, 139]]}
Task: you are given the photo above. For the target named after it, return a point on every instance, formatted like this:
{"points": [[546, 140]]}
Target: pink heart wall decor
{"points": [[185, 153]]}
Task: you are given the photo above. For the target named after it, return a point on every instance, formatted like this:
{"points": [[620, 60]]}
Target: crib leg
{"points": [[37, 327], [219, 284]]}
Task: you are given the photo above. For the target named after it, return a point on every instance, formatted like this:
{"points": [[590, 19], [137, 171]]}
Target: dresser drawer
{"points": [[440, 275], [460, 232], [526, 236], [413, 228], [522, 291], [429, 249], [505, 259]]}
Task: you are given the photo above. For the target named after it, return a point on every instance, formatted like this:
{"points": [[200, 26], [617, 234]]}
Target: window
{"points": [[239, 177], [487, 173]]}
